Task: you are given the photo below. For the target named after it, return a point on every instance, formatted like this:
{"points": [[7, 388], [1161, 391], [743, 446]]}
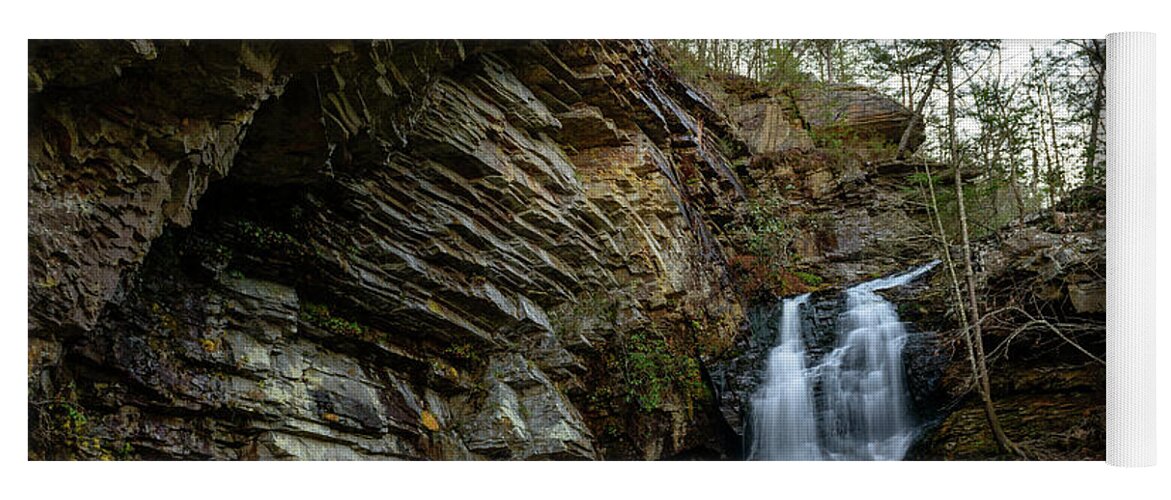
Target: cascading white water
{"points": [[785, 427], [861, 411]]}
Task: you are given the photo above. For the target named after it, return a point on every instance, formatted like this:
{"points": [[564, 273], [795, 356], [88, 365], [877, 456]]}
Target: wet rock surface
{"points": [[738, 379]]}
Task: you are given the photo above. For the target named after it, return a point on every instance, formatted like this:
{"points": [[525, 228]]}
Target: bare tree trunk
{"points": [[905, 90], [1057, 169], [1036, 163], [717, 55], [992, 167], [830, 76], [918, 112], [1010, 139], [1091, 173], [1012, 178], [1013, 167], [1050, 173], [951, 271], [737, 55], [824, 49], [976, 337]]}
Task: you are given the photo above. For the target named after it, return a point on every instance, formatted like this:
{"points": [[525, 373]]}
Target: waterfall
{"points": [[785, 427], [860, 410]]}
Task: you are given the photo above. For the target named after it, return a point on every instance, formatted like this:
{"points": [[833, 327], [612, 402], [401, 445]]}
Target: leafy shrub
{"points": [[810, 279], [651, 370], [765, 232]]}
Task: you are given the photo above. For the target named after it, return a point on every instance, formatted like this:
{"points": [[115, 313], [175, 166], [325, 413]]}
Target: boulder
{"points": [[858, 111]]}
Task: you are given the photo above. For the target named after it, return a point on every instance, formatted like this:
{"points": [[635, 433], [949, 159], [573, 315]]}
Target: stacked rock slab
{"points": [[358, 250]]}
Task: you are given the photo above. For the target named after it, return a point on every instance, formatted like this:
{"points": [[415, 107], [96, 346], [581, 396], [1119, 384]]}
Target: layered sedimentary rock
{"points": [[117, 151], [857, 111], [820, 154], [371, 250]]}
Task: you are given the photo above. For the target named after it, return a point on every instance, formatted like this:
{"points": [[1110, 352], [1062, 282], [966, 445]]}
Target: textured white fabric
{"points": [[1130, 249]]}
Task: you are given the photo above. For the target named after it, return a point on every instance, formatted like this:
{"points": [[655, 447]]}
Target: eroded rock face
{"points": [[368, 250], [824, 154], [770, 125], [118, 151], [858, 111], [523, 415], [773, 120]]}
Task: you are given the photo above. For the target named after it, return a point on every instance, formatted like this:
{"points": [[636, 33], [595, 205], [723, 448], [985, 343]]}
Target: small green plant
{"points": [[612, 431], [463, 352], [809, 279], [767, 247], [573, 318], [917, 178], [63, 429], [828, 138], [125, 452], [210, 253], [320, 316], [727, 147], [267, 239], [74, 421]]}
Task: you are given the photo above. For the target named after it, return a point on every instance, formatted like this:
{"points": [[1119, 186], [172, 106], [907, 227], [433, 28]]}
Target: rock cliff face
{"points": [[371, 250]]}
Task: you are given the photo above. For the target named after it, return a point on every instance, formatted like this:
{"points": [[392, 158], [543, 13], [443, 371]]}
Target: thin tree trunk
{"points": [[974, 312], [992, 167], [906, 138], [905, 90], [1012, 176], [1060, 169], [1036, 163], [1095, 117], [717, 55], [830, 77], [1010, 138], [1050, 174], [951, 271]]}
